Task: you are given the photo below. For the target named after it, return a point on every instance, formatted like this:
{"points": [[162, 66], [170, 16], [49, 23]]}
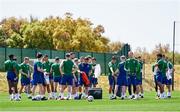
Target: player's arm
{"points": [[40, 69], [73, 72], [111, 69], [126, 67], [51, 70], [90, 72], [21, 71], [61, 66]]}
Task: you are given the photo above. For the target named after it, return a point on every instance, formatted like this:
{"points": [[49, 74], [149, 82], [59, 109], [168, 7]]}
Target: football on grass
{"points": [[90, 98]]}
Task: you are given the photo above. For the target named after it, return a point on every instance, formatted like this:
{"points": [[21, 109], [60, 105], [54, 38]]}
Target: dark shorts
{"points": [[51, 77], [38, 79], [67, 79], [81, 82], [122, 81], [169, 82], [11, 76], [158, 78], [132, 80], [25, 81], [57, 79], [139, 81], [111, 80], [164, 79], [95, 81]]}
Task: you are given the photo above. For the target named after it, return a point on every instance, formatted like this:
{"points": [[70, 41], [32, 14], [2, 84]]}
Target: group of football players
{"points": [[75, 75], [128, 73]]}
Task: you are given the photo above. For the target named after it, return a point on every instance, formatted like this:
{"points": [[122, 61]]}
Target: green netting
{"points": [[59, 54], [2, 58], [102, 58], [85, 54], [31, 53]]}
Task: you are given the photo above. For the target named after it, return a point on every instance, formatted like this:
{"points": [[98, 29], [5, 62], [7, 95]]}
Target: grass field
{"points": [[149, 103]]}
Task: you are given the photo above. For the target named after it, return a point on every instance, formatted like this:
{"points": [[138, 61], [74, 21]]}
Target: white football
{"points": [[90, 98]]}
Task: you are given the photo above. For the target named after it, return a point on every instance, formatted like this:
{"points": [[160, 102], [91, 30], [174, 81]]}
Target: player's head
{"points": [[163, 56], [11, 56], [76, 61], [130, 54], [14, 58], [26, 59], [123, 58], [86, 60], [159, 56], [45, 57], [72, 55], [39, 55], [93, 60], [57, 59], [89, 59], [139, 58], [82, 59], [113, 59], [68, 56]]}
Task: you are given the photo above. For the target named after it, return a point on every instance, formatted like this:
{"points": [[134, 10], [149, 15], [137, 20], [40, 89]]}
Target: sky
{"points": [[141, 23]]}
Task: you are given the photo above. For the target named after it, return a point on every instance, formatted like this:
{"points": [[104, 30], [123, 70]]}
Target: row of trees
{"points": [[150, 57], [68, 34], [58, 33]]}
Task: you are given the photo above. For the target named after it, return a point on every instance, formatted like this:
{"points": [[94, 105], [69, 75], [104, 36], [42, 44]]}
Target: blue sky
{"points": [[141, 23]]}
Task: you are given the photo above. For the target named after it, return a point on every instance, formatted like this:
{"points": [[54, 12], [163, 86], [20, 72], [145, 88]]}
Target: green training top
{"points": [[131, 65], [114, 67], [9, 65], [68, 66], [162, 65], [55, 69], [138, 73], [26, 69], [47, 66]]}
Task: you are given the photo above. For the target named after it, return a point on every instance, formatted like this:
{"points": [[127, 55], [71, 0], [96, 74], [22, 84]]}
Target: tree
{"points": [[115, 46]]}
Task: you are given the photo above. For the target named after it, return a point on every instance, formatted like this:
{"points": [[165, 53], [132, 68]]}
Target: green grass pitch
{"points": [[149, 103]]}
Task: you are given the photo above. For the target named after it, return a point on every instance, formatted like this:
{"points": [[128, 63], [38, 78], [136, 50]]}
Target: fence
{"points": [[20, 53]]}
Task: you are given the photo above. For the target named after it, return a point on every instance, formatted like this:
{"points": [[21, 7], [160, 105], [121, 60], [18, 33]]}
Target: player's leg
{"points": [[63, 86], [73, 89], [28, 89], [168, 84], [141, 87], [33, 91], [15, 84], [10, 90], [160, 85], [21, 88], [111, 84], [51, 81], [95, 82]]}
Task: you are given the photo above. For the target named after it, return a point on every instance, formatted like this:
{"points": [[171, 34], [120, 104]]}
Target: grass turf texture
{"points": [[149, 103]]}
